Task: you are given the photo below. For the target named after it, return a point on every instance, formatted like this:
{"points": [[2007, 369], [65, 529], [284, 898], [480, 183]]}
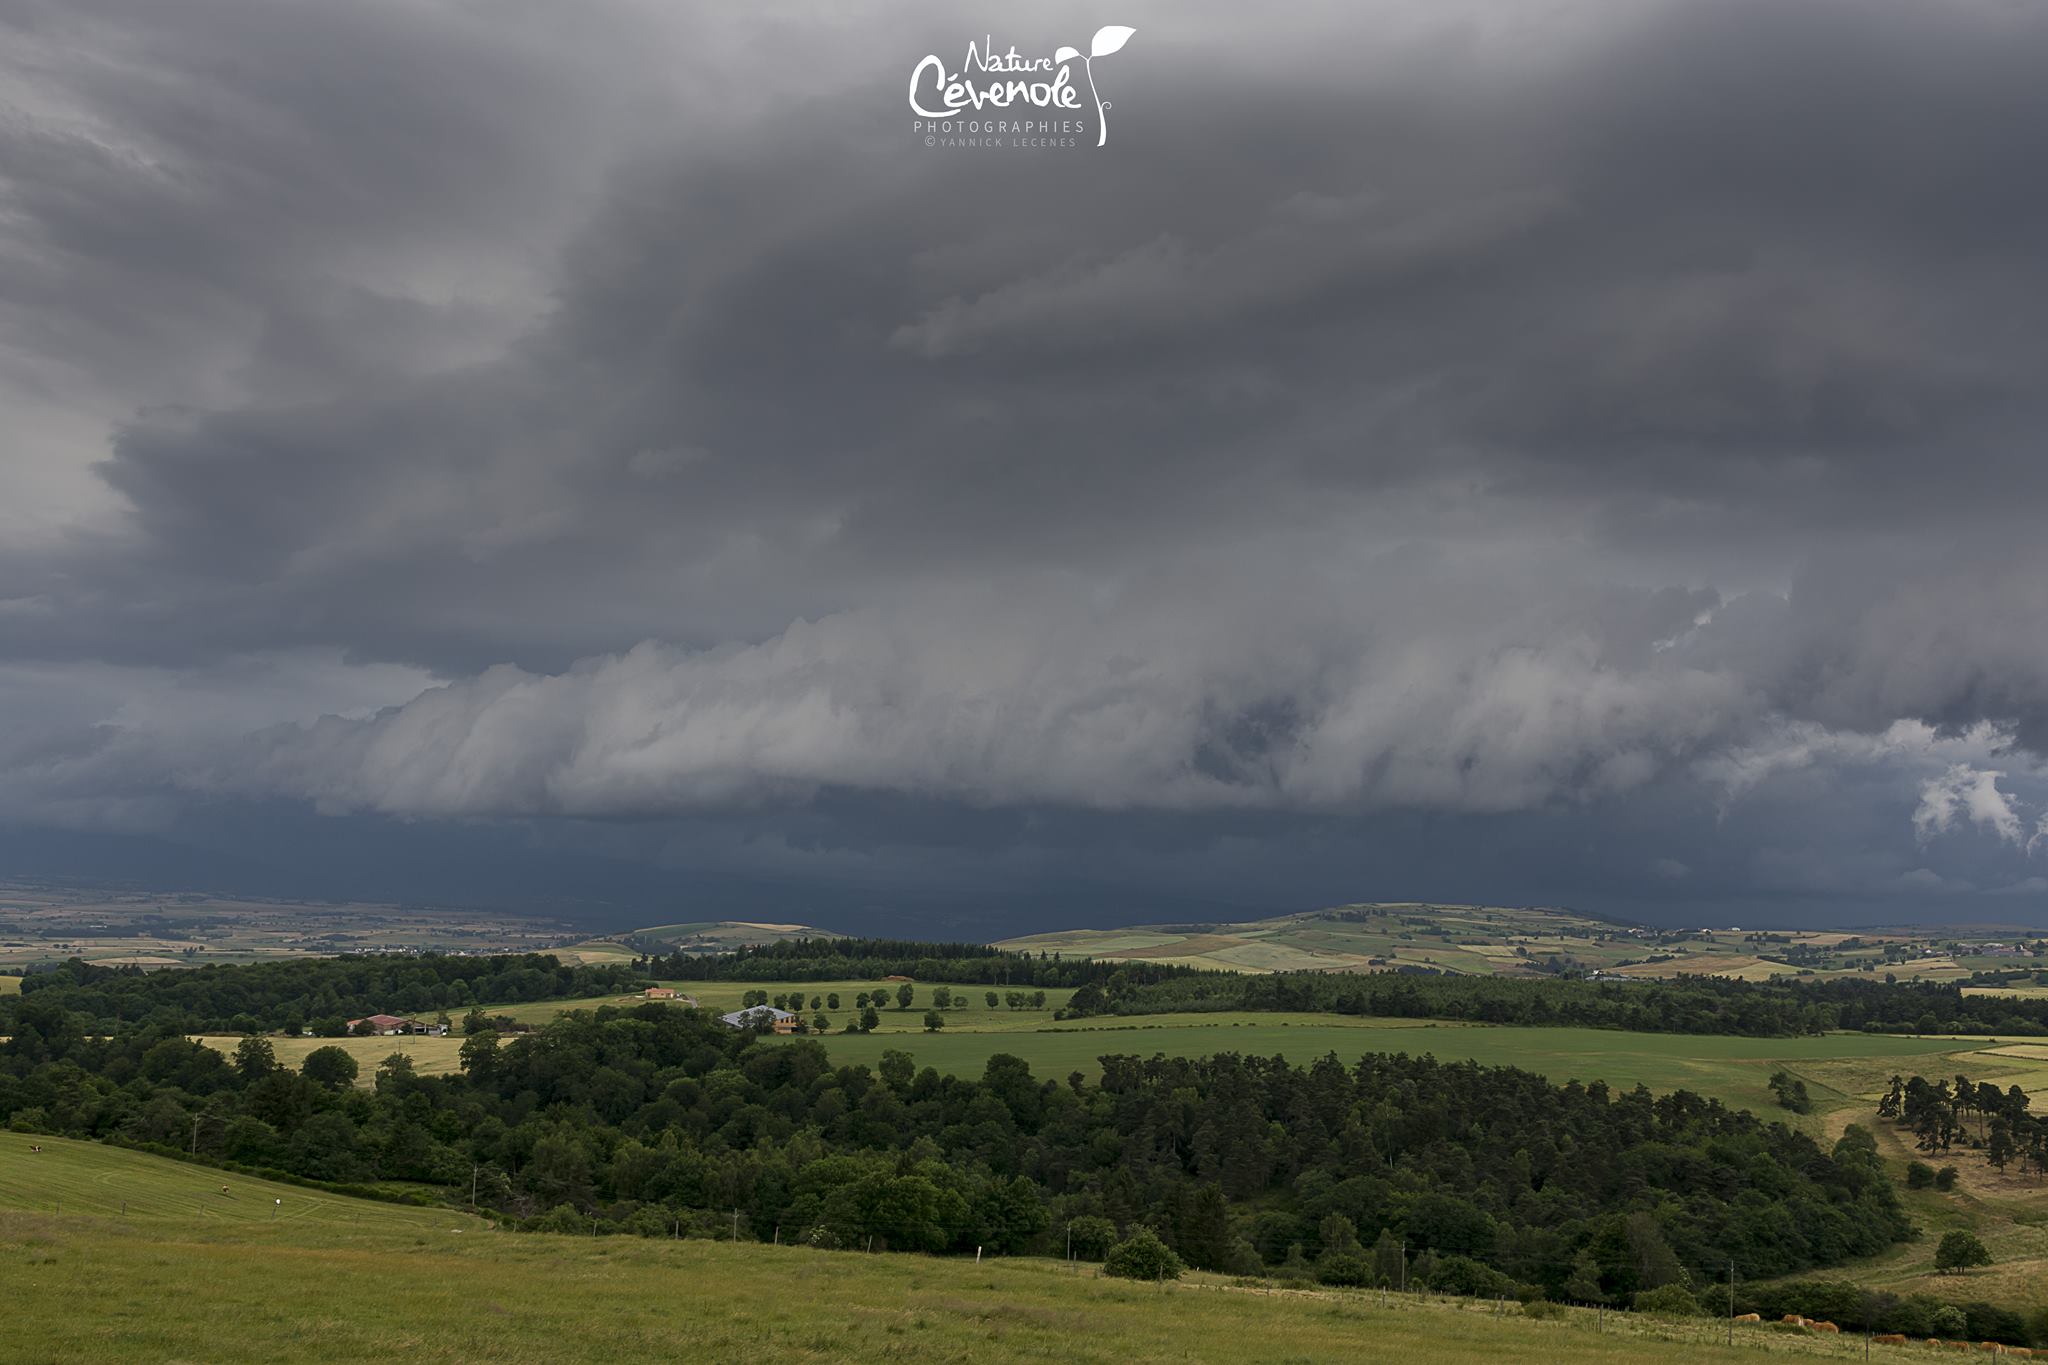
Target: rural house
{"points": [[391, 1025], [781, 1021]]}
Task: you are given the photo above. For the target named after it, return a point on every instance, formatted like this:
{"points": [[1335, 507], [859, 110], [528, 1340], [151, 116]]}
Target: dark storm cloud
{"points": [[1437, 409]]}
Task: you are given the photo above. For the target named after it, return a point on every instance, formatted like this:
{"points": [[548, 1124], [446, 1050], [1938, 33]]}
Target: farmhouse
{"points": [[670, 993], [781, 1021], [391, 1025]]}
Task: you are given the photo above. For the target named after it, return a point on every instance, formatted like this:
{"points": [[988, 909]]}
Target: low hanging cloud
{"points": [[1965, 793]]}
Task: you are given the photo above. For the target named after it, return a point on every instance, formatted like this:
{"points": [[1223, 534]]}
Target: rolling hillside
{"points": [[1468, 940], [159, 1284]]}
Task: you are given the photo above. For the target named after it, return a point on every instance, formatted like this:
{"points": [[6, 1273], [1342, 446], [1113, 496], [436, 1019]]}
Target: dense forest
{"points": [[316, 993], [1685, 1004], [663, 1121], [871, 959]]}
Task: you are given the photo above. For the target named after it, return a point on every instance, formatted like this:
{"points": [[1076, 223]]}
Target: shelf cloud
{"points": [[1614, 439]]}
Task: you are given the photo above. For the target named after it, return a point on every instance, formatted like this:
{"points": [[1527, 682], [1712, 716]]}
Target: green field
{"points": [[1734, 1070], [87, 1178], [10, 985], [1849, 1067], [721, 997], [159, 1284]]}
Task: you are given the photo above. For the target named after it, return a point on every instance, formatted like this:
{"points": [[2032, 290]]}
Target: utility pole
{"points": [[735, 1227], [472, 1186], [1404, 1266], [1731, 1300]]}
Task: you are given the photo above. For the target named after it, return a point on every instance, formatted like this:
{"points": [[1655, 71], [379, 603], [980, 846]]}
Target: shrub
{"points": [[1542, 1308], [1945, 1178], [1672, 1300], [1950, 1321], [1919, 1175], [561, 1218], [649, 1221], [1343, 1268], [1296, 1269], [1463, 1275], [1142, 1256]]}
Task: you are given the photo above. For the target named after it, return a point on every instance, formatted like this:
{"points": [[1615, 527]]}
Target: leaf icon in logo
{"points": [[1109, 38]]}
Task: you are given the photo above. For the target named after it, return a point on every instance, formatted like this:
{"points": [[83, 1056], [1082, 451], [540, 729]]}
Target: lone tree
{"points": [[904, 995], [255, 1058], [933, 1021], [332, 1067], [1958, 1252]]}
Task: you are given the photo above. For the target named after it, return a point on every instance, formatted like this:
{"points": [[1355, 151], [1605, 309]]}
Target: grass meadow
{"points": [[86, 1178], [159, 1283]]}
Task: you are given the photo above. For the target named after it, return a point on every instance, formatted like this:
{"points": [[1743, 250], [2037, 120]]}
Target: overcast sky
{"points": [[1541, 451]]}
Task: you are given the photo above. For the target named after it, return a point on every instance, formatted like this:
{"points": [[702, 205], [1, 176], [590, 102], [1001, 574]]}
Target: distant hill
{"points": [[718, 936], [1475, 940], [1458, 939]]}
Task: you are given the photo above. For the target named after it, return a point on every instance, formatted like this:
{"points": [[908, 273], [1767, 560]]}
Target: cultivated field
{"points": [[430, 1056], [723, 936], [159, 1284], [1468, 940], [42, 925]]}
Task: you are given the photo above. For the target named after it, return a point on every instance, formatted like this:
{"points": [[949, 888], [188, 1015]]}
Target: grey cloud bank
{"points": [[1610, 440]]}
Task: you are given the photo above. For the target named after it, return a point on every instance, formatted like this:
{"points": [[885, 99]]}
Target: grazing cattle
{"points": [[1749, 1317], [1794, 1319], [1890, 1339], [1823, 1327]]}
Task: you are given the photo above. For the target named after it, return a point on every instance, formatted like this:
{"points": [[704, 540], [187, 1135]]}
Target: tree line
{"points": [[871, 959], [664, 1122], [1682, 1004], [317, 993]]}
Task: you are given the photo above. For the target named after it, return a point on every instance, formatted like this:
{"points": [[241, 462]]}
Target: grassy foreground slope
{"points": [[88, 1178], [160, 1284]]}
